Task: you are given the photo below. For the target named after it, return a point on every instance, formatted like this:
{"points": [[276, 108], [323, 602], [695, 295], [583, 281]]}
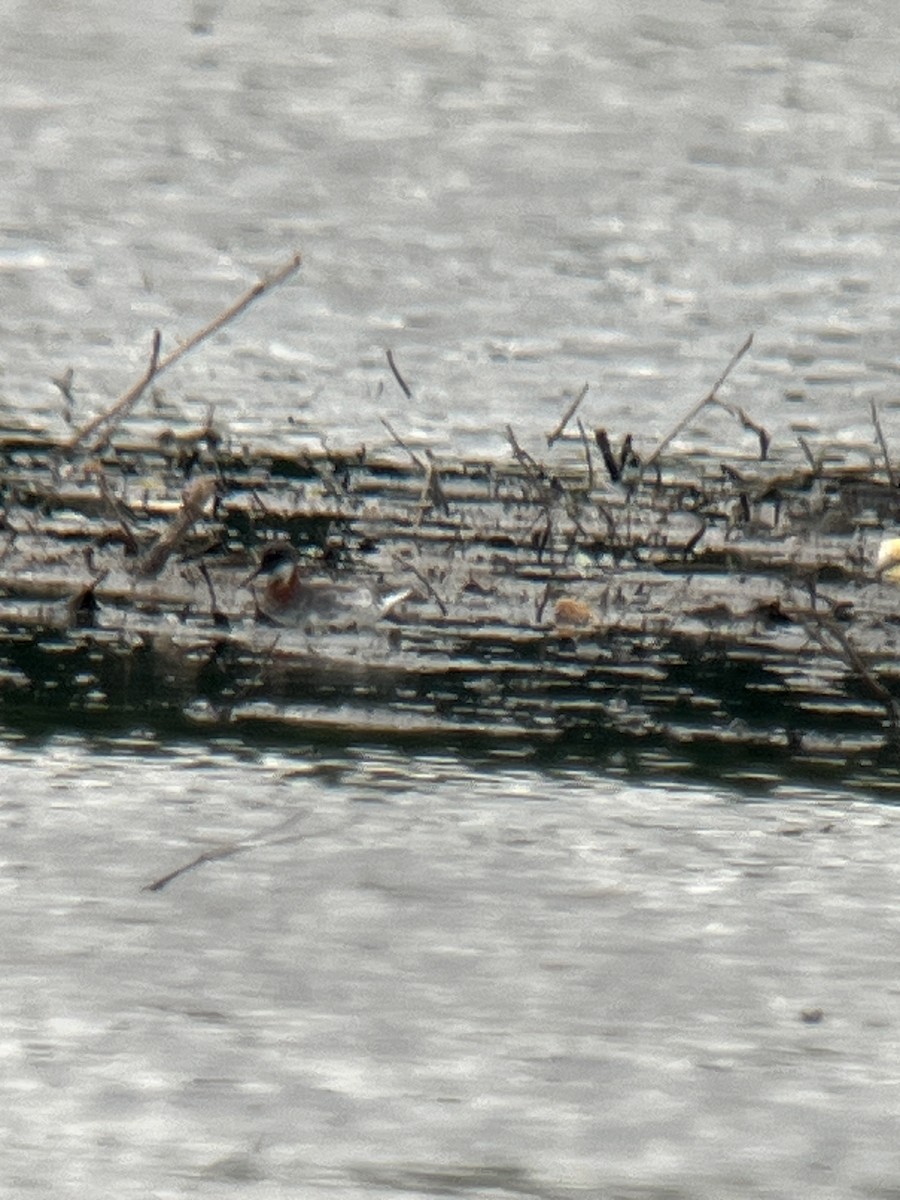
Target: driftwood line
{"points": [[675, 608]]}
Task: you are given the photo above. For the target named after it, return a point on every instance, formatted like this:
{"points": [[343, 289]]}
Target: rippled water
{"points": [[421, 975], [603, 193]]}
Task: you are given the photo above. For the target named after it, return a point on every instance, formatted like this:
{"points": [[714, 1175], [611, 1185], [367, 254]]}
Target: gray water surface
{"points": [[439, 979], [517, 202]]}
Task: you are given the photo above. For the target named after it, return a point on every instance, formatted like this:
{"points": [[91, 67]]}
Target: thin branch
{"points": [[748, 423], [567, 417], [882, 442], [403, 446], [606, 450], [811, 458], [119, 512], [532, 467], [541, 602], [219, 618], [196, 498], [433, 494], [122, 406], [582, 432], [64, 383], [395, 371], [428, 585], [627, 456], [207, 856], [701, 404], [157, 365], [817, 626]]}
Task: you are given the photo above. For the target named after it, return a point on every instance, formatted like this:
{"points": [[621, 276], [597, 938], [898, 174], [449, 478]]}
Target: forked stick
{"points": [[709, 398]]}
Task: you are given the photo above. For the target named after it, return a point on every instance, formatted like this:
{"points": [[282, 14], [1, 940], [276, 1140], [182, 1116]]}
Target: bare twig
{"points": [[403, 446], [532, 467], [817, 625], [747, 422], [433, 494], [427, 585], [701, 404], [542, 537], [628, 459], [119, 512], [882, 442], [610, 521], [567, 417], [395, 371], [541, 602], [219, 618], [196, 498], [157, 365], [811, 458], [610, 461], [586, 445], [208, 856], [64, 383]]}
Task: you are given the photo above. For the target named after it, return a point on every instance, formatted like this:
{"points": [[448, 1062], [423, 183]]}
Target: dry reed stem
{"points": [[567, 417], [817, 625], [610, 461], [882, 442], [709, 398], [398, 440], [395, 371], [157, 365], [427, 585], [586, 446], [196, 498]]}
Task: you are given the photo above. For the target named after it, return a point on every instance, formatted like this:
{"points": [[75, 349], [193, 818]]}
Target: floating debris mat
{"points": [[727, 613]]}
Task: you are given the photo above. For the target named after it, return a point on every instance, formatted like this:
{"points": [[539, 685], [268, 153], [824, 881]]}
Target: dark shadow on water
{"points": [[749, 769], [502, 1181]]}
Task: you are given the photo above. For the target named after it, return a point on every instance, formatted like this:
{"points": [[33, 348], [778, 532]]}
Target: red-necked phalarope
{"points": [[291, 597]]}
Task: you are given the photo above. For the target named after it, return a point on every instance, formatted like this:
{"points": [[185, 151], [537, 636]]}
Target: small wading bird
{"points": [[887, 564], [291, 597]]}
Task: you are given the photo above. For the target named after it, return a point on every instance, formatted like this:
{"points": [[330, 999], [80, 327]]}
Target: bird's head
{"points": [[278, 561]]}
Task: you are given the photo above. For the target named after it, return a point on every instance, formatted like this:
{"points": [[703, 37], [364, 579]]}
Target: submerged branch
{"points": [[226, 851]]}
